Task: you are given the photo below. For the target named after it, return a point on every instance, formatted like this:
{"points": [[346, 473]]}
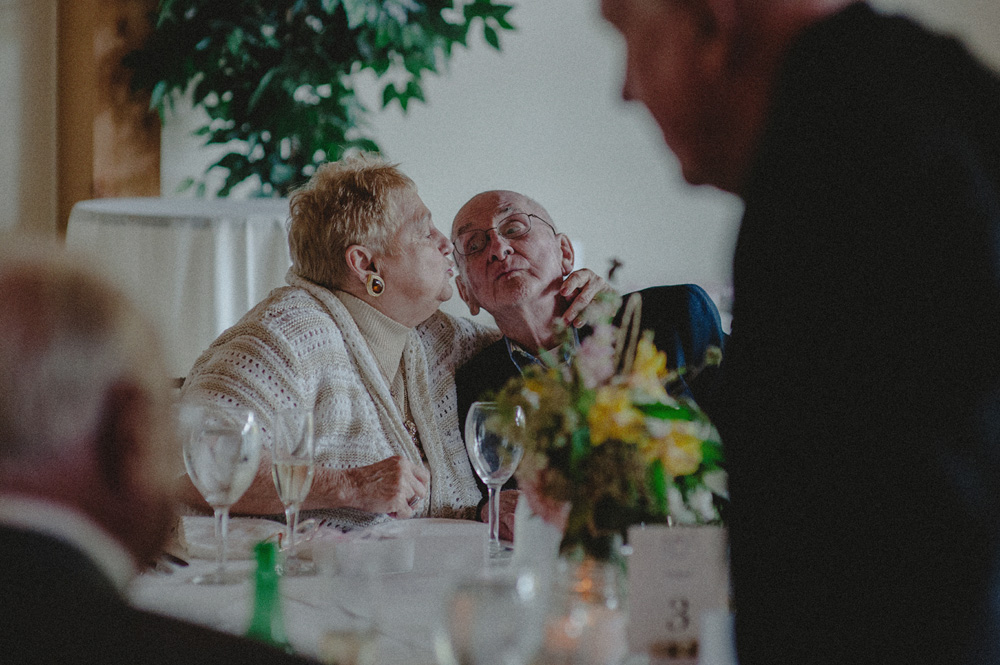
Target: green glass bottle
{"points": [[268, 624]]}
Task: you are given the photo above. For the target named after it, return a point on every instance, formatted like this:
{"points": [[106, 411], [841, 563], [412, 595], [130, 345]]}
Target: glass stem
{"points": [[222, 537], [292, 525], [494, 496]]}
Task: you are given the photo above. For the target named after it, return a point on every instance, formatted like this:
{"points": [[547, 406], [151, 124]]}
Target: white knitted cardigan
{"points": [[301, 347]]}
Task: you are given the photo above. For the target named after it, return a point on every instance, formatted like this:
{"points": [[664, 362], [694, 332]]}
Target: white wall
{"points": [[976, 22], [544, 117], [28, 115]]}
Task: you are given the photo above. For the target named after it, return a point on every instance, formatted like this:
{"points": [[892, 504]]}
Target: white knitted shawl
{"points": [[301, 347]]}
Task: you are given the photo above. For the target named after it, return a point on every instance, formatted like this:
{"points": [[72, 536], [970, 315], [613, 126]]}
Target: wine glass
{"points": [[222, 447], [496, 618], [293, 464], [494, 457]]}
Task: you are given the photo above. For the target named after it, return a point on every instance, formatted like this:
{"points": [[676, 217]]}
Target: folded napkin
{"points": [[196, 535]]}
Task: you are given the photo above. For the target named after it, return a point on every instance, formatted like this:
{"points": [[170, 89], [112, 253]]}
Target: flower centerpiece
{"points": [[609, 440]]}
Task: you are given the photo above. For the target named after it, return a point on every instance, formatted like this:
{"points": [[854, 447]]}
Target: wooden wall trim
{"points": [[76, 95], [108, 142]]}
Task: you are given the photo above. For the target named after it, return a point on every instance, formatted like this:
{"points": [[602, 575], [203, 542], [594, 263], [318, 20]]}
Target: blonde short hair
{"points": [[349, 202]]}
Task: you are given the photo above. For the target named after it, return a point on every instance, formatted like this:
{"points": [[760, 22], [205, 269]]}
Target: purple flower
{"points": [[595, 360]]}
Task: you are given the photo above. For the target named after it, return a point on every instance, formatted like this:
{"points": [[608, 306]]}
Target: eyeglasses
{"points": [[472, 242]]}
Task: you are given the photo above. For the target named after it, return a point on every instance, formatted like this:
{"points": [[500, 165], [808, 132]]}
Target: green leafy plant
{"points": [[277, 77]]}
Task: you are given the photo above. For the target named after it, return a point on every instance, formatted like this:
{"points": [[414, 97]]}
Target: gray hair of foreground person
{"points": [[84, 402]]}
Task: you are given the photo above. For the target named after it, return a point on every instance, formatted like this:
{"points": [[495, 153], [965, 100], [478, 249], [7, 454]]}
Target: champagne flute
{"points": [[494, 458], [222, 447], [293, 464]]}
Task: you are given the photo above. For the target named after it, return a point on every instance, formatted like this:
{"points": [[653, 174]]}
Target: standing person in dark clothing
{"points": [[860, 403]]}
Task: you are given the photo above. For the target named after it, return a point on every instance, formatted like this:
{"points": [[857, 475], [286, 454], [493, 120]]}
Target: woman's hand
{"points": [[394, 486], [579, 289], [508, 503]]}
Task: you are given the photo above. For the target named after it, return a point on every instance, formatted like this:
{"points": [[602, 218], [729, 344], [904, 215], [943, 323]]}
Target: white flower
{"points": [[718, 482], [701, 502], [678, 510], [533, 399]]}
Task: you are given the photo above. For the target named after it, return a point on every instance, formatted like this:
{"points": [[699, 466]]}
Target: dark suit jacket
{"points": [[860, 405], [57, 607], [684, 321]]}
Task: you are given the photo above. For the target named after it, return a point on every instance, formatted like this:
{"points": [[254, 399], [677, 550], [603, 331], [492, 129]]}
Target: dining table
{"points": [[421, 591], [194, 265], [388, 587]]}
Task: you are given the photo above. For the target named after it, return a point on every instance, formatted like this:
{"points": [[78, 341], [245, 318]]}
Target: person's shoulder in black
{"points": [[685, 323], [61, 608]]}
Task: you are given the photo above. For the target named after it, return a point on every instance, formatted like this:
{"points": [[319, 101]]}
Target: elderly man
{"points": [[512, 263], [861, 398], [87, 470]]}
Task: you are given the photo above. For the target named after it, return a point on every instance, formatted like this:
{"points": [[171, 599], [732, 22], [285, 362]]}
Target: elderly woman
{"points": [[357, 337]]}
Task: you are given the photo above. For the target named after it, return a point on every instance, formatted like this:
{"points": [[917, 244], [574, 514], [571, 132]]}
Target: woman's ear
{"points": [[360, 262], [567, 255]]}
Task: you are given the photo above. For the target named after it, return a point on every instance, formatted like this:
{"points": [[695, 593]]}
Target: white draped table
{"points": [[403, 600], [194, 265]]}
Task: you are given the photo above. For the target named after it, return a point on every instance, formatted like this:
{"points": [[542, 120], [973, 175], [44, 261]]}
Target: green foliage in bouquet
{"points": [[276, 77], [605, 435]]}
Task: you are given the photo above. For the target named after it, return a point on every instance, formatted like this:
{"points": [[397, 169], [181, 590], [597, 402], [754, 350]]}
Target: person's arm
{"points": [[393, 485]]}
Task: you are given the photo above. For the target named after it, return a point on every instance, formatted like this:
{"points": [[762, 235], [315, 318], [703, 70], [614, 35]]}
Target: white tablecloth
{"points": [[195, 265], [395, 581], [407, 606]]}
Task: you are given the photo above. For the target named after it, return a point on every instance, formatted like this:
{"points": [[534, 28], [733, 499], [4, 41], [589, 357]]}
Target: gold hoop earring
{"points": [[374, 285]]}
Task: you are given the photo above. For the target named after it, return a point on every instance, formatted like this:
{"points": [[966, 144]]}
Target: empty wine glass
{"points": [[222, 448], [293, 464], [494, 457]]}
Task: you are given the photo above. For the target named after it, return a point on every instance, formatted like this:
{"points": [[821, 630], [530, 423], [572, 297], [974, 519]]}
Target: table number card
{"points": [[675, 574]]}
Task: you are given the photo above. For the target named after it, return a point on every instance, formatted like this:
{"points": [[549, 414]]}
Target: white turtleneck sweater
{"points": [[304, 345]]}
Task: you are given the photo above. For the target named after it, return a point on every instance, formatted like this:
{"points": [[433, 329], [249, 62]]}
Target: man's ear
{"points": [[718, 23], [567, 255], [124, 438], [360, 262], [465, 293]]}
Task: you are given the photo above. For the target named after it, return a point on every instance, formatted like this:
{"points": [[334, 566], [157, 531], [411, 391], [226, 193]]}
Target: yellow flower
{"points": [[680, 453], [649, 369], [535, 387], [613, 417]]}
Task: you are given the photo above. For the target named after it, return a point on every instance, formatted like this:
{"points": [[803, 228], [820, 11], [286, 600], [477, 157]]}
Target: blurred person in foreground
{"points": [[357, 337], [860, 404], [88, 464], [514, 264]]}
